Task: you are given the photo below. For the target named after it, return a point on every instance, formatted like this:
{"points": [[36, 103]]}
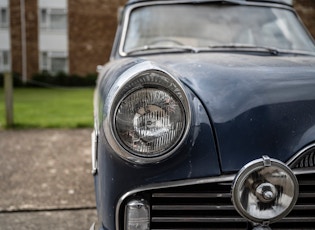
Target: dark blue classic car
{"points": [[205, 118]]}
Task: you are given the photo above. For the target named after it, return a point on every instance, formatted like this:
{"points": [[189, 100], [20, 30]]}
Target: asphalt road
{"points": [[45, 180]]}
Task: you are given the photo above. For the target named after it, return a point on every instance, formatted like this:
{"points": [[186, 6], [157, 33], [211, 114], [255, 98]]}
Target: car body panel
{"points": [[255, 92], [259, 97], [244, 104]]}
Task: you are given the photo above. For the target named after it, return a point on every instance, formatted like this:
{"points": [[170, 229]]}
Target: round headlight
{"points": [[265, 190], [149, 121], [150, 116]]}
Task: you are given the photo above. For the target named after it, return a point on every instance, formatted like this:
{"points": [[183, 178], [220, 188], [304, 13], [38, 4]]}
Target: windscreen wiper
{"points": [[155, 49], [236, 2], [250, 48]]}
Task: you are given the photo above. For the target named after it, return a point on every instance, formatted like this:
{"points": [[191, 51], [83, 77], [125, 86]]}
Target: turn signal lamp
{"points": [[137, 215]]}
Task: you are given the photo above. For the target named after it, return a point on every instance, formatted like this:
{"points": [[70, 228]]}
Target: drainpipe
{"points": [[23, 42]]}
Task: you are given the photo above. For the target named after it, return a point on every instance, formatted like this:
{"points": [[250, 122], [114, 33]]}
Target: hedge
{"points": [[45, 79]]}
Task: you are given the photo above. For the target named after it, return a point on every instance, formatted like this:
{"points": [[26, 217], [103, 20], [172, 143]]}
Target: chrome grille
{"points": [[209, 206], [304, 161], [303, 214], [194, 207]]}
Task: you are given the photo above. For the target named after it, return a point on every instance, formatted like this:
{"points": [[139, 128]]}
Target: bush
{"points": [[17, 82], [61, 79], [45, 79]]}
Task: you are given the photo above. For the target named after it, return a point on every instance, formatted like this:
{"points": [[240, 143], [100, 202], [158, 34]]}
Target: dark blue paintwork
{"points": [[196, 159], [258, 106], [244, 105]]}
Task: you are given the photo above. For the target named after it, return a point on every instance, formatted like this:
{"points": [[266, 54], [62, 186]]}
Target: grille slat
{"points": [[192, 207], [307, 182], [298, 219], [306, 195], [206, 219], [190, 195], [304, 207]]}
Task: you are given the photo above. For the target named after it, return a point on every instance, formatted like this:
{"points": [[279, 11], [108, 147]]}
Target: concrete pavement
{"points": [[45, 179]]}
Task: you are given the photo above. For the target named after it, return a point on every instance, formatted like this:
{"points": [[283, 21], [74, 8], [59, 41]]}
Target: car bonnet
{"points": [[258, 105]]}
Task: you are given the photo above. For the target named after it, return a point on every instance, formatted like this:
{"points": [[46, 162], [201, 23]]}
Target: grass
{"points": [[50, 108]]}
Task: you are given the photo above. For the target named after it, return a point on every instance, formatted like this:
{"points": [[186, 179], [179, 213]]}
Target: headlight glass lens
{"points": [[151, 119]]}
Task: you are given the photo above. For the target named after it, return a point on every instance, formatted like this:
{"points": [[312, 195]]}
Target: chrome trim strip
{"points": [[225, 178], [92, 226], [298, 154], [94, 144], [303, 171], [109, 109], [95, 133], [150, 3]]}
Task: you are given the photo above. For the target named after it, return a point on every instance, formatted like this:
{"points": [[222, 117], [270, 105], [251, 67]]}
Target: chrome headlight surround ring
{"points": [[143, 77], [264, 191]]}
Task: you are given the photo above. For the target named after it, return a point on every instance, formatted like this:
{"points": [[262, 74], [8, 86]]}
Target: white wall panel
{"points": [[52, 4], [4, 39], [53, 42], [4, 3]]}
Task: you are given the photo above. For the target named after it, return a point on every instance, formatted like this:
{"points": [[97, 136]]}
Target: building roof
{"points": [[286, 2]]}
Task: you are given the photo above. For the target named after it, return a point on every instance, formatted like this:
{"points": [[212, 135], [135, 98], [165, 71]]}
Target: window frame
{"points": [[45, 18], [5, 55], [4, 14], [46, 61], [124, 26]]}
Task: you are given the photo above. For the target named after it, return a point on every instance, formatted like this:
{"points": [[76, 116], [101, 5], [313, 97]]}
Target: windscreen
{"points": [[204, 25]]}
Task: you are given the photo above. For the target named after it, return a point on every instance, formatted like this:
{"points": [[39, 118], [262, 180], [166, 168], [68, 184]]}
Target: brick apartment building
{"points": [[60, 35], [69, 35]]}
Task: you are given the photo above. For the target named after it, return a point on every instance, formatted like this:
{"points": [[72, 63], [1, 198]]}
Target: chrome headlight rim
{"points": [[245, 173], [124, 87], [153, 154]]}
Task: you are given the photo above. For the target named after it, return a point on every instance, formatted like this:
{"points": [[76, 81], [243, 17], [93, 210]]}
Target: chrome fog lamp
{"points": [[137, 215], [264, 191]]}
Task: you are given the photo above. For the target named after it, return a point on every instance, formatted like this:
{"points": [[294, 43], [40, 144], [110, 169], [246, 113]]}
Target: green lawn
{"points": [[50, 108]]}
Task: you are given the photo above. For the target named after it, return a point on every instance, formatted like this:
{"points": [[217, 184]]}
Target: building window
{"points": [[4, 60], [4, 19], [58, 64], [53, 19], [44, 61], [54, 62], [43, 17]]}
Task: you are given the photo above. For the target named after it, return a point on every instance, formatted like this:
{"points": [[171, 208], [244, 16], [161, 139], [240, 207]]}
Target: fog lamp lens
{"points": [[264, 190], [137, 215]]}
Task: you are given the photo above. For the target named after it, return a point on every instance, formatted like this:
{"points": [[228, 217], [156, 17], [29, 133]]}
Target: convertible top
{"points": [[286, 2]]}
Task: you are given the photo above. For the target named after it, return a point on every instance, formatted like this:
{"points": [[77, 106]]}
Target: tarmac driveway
{"points": [[46, 180]]}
